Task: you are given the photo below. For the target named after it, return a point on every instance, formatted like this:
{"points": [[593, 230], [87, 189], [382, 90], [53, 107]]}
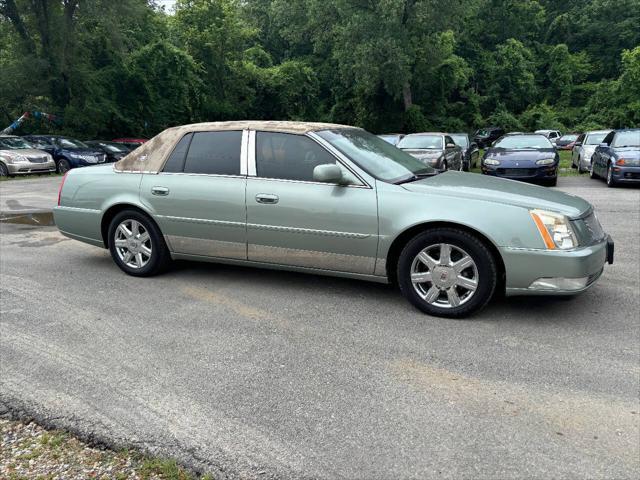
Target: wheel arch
{"points": [[403, 238], [114, 210]]}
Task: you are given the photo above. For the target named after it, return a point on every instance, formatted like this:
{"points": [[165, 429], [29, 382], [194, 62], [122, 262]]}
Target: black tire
{"points": [[485, 263], [160, 258], [63, 166], [4, 171], [592, 174], [551, 182], [611, 183]]}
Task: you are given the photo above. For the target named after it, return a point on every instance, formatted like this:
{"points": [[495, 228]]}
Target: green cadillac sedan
{"points": [[335, 200]]}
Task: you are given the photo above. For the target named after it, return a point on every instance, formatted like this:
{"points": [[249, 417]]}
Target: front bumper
{"points": [[555, 272], [521, 173], [24, 168], [626, 174]]}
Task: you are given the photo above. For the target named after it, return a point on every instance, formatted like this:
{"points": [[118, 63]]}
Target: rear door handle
{"points": [[160, 191], [267, 198]]}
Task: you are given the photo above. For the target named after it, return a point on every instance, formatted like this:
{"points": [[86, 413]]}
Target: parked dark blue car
{"points": [[68, 152], [525, 156], [617, 158]]}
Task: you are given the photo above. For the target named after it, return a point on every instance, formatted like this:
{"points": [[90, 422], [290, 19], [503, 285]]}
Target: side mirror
{"points": [[328, 173], [577, 144], [604, 145], [450, 145]]}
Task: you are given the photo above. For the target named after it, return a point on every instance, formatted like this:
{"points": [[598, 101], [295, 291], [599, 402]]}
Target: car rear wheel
{"points": [[447, 272], [136, 244], [63, 165]]}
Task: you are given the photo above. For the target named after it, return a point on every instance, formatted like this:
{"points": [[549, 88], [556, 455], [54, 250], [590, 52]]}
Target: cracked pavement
{"points": [[249, 373]]}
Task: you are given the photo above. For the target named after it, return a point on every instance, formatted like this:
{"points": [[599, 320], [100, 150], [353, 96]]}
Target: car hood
{"points": [[27, 152], [501, 191], [83, 151], [525, 157], [630, 153]]}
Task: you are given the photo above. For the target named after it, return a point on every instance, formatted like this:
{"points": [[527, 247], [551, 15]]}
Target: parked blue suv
{"points": [[617, 158], [68, 152]]}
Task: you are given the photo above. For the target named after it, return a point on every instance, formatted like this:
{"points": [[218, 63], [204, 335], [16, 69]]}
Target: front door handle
{"points": [[160, 191], [267, 198]]}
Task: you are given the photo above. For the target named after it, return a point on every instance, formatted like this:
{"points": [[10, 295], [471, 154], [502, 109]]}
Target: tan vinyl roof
{"points": [[151, 156]]}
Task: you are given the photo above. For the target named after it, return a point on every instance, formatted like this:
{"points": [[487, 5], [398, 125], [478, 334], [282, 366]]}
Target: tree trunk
{"points": [[407, 96]]}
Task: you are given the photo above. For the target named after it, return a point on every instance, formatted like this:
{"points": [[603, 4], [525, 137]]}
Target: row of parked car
{"points": [[56, 153], [610, 154]]}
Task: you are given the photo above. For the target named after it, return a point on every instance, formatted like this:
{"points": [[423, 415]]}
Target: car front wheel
{"points": [[610, 180], [447, 272], [136, 244], [63, 165], [4, 171]]}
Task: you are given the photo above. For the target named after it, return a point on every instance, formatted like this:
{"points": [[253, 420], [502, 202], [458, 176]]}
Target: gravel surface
{"points": [[29, 452], [249, 373]]}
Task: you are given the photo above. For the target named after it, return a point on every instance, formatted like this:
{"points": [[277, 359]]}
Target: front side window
{"points": [[289, 157], [214, 153], [421, 141]]}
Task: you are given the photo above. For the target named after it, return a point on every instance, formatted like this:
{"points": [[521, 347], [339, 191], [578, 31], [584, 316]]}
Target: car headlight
{"points": [[491, 161], [546, 161], [555, 229], [17, 158]]}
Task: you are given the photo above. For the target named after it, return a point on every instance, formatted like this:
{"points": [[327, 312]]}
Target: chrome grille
{"points": [[37, 159]]}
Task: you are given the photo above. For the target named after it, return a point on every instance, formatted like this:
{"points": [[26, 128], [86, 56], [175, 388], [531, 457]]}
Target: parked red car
{"points": [[567, 141], [132, 143]]}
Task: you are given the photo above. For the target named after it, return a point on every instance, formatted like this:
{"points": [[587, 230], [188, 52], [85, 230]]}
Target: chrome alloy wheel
{"points": [[444, 275], [133, 243]]}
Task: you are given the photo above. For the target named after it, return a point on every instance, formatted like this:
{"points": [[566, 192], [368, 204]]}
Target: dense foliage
{"points": [[126, 67]]}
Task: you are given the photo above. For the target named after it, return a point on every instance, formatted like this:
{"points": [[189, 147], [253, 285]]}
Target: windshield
{"points": [[71, 143], [595, 138], [460, 139], [114, 147], [392, 139], [14, 143], [627, 139], [569, 138], [523, 141], [375, 156], [421, 141]]}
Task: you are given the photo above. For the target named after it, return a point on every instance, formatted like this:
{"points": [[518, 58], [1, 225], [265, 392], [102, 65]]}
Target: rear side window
{"points": [[175, 162], [214, 153]]}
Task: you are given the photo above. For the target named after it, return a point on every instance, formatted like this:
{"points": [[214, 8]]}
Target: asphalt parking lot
{"points": [[258, 374]]}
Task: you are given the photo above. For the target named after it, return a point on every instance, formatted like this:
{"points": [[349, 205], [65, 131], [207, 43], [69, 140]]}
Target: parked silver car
{"points": [[584, 148], [437, 150], [18, 157], [335, 200], [552, 135]]}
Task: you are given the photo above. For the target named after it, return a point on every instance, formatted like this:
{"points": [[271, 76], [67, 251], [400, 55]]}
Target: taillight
{"points": [[64, 177]]}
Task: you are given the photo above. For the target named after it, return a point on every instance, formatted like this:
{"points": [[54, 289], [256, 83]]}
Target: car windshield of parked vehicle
{"points": [[71, 143], [460, 140], [627, 139], [392, 139], [595, 138], [14, 143], [375, 156], [114, 147], [569, 138], [433, 142], [523, 142]]}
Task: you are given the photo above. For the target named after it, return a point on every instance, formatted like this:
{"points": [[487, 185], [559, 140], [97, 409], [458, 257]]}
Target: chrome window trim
{"points": [[251, 154], [243, 152], [198, 174], [340, 159]]}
